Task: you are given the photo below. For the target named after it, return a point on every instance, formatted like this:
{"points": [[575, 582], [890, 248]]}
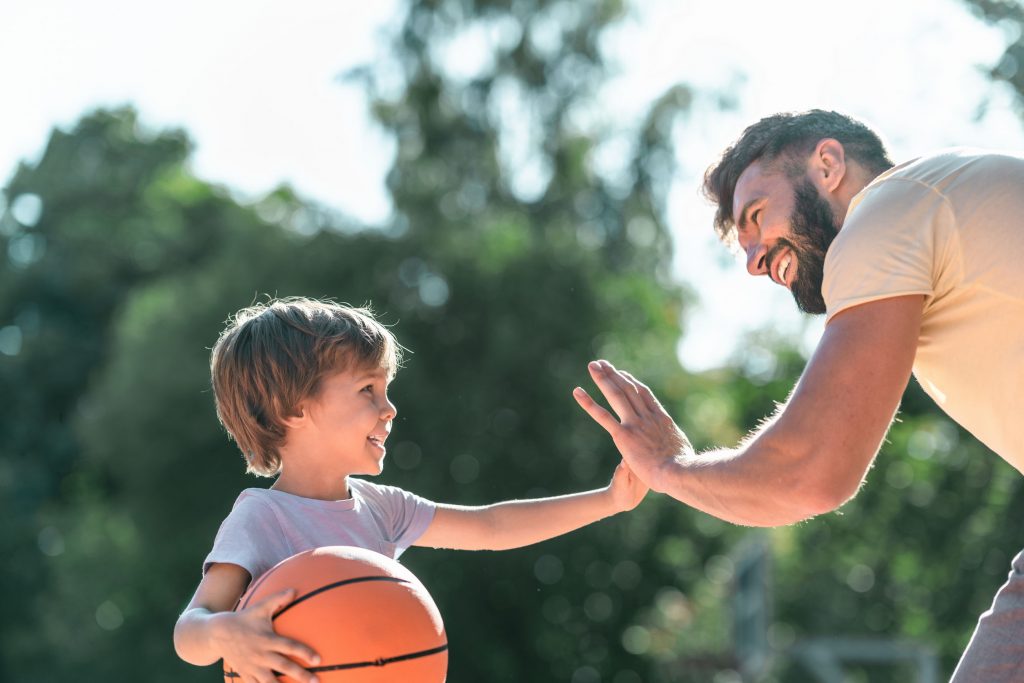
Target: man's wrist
{"points": [[665, 472]]}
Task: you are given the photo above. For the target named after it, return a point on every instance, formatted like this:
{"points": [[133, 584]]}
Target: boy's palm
{"points": [[627, 488], [250, 646]]}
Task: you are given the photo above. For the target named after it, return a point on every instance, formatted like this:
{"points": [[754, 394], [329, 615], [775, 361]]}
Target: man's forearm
{"points": [[751, 485]]}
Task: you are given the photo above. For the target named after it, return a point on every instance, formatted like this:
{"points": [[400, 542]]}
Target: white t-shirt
{"points": [[949, 226], [266, 526]]}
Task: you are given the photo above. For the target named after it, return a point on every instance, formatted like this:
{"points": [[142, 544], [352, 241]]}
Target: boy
{"points": [[301, 386]]}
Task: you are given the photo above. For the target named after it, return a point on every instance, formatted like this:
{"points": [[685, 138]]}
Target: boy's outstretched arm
{"points": [[208, 630], [517, 523]]}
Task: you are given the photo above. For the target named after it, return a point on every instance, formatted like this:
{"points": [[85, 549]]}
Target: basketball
{"points": [[369, 618]]}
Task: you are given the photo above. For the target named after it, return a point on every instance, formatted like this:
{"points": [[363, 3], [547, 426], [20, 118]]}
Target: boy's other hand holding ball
{"points": [[252, 648]]}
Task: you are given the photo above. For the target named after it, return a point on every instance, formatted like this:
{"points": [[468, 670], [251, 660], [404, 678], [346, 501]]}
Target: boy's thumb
{"points": [[279, 600]]}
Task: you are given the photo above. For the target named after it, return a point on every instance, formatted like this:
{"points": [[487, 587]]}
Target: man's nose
{"points": [[756, 261]]}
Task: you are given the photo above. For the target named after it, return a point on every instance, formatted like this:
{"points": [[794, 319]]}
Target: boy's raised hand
{"points": [[249, 645], [626, 488]]}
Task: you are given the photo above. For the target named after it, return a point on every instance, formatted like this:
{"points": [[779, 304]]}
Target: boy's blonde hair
{"points": [[272, 356]]}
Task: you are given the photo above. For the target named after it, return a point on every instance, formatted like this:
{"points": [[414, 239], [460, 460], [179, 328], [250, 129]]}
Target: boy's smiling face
{"points": [[347, 422]]}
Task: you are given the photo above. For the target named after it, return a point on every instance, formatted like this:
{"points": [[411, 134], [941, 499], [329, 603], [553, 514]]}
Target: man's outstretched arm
{"points": [[808, 458]]}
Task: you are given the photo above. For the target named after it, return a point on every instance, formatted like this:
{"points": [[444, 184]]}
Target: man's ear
{"points": [[828, 165]]}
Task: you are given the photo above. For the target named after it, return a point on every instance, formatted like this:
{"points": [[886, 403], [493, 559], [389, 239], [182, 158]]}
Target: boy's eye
{"points": [[368, 387]]}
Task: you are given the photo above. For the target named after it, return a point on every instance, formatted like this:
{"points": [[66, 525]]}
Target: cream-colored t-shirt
{"points": [[949, 226]]}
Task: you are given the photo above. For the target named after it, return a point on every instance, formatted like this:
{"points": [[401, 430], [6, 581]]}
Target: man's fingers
{"points": [[620, 394], [645, 393], [600, 415]]}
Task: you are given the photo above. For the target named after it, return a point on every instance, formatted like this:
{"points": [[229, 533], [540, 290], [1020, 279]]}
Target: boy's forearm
{"points": [[522, 522], [193, 636]]}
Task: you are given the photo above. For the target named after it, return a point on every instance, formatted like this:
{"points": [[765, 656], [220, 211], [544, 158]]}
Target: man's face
{"points": [[785, 228]]}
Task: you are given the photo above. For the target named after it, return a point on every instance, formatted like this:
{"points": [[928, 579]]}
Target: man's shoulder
{"points": [[938, 168]]}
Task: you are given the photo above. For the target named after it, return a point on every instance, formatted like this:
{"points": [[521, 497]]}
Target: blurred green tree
{"points": [[105, 210], [1009, 70]]}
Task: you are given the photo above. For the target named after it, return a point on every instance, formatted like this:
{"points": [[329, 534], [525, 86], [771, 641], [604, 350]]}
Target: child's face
{"points": [[351, 419]]}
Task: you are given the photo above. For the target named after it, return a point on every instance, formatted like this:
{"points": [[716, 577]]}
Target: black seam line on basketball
{"points": [[336, 584], [384, 661], [361, 665]]}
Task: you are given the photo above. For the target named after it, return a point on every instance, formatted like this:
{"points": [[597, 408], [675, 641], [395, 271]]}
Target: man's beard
{"points": [[813, 227]]}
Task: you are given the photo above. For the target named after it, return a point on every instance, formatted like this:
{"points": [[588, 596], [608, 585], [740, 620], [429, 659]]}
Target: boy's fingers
{"points": [[293, 670], [600, 415], [273, 603], [294, 648]]}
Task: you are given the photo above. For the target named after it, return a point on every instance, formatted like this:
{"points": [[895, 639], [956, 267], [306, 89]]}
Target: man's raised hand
{"points": [[648, 439]]}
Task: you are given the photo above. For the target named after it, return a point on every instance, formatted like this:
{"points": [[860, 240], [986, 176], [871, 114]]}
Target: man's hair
{"points": [[271, 356], [788, 138]]}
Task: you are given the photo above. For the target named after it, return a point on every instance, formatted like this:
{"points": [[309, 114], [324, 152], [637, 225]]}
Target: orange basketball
{"points": [[368, 617]]}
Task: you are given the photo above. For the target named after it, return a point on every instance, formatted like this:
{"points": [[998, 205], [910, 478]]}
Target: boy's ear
{"points": [[298, 416]]}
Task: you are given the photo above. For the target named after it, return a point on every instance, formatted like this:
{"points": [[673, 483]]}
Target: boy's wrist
{"points": [[610, 502], [217, 624]]}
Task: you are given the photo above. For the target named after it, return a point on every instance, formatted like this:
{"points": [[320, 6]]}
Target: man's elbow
{"points": [[810, 483], [826, 493]]}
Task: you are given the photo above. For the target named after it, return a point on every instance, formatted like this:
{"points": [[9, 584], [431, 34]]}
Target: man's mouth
{"points": [[783, 269]]}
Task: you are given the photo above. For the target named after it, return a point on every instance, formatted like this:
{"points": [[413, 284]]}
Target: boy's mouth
{"points": [[376, 440]]}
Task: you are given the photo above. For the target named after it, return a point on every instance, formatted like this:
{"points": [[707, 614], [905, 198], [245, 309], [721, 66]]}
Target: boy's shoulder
{"points": [[253, 503], [363, 488], [382, 493], [253, 497]]}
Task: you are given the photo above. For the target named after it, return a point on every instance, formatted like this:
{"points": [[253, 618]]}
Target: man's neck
{"points": [[855, 180]]}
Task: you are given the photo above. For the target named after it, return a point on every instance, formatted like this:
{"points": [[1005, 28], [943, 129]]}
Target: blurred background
{"points": [[515, 186]]}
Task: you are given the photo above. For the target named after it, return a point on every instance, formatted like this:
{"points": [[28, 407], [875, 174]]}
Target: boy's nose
{"points": [[388, 410]]}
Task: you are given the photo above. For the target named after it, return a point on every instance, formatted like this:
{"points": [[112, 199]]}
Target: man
{"points": [[917, 267]]}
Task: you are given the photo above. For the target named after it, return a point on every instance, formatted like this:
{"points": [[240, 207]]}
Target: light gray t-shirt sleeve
{"points": [[247, 536], [403, 516]]}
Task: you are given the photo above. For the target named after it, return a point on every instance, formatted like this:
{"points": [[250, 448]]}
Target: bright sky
{"points": [[256, 85]]}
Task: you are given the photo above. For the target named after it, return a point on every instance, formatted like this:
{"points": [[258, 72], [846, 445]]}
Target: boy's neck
{"points": [[314, 488]]}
